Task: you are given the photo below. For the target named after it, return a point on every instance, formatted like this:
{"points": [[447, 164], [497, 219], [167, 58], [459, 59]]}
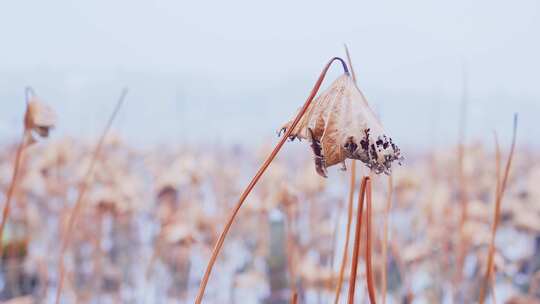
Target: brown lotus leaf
{"points": [[340, 124], [39, 118]]}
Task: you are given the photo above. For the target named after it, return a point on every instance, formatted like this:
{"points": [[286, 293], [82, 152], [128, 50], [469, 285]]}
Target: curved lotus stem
{"points": [[501, 186], [14, 178], [260, 172], [11, 190], [357, 237], [79, 203]]}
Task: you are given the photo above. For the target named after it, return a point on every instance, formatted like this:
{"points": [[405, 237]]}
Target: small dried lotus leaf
{"points": [[39, 114], [341, 122], [38, 119]]}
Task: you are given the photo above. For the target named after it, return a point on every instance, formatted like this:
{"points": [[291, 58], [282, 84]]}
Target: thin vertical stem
{"points": [[501, 186], [290, 249], [357, 237], [11, 190], [15, 177], [350, 205], [464, 200], [260, 172], [385, 238], [294, 299], [347, 233], [369, 271], [68, 232], [337, 225], [349, 61]]}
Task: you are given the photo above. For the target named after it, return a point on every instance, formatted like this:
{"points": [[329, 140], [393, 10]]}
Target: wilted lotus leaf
{"points": [[340, 124], [39, 118]]}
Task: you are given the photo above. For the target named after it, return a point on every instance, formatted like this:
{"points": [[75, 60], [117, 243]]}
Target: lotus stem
{"points": [[462, 246], [294, 299], [350, 204], [357, 237], [347, 233], [501, 186], [68, 232], [369, 271], [14, 178], [385, 239], [260, 172]]}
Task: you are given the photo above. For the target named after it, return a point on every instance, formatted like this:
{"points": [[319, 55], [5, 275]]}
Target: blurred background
{"points": [[210, 83]]}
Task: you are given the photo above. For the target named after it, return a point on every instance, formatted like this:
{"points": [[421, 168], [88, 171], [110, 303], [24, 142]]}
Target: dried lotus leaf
{"points": [[39, 119], [340, 124]]}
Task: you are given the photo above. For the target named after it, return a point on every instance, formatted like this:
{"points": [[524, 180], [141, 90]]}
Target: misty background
{"points": [[235, 71]]}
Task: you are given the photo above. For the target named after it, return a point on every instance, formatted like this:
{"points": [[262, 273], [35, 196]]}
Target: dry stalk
{"points": [[347, 233], [290, 250], [15, 176], [294, 299], [79, 202], [11, 190], [357, 237], [350, 205], [385, 238], [260, 172], [369, 236], [337, 224], [462, 247], [501, 186]]}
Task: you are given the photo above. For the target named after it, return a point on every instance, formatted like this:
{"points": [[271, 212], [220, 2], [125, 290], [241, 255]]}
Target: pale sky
{"points": [[234, 71]]}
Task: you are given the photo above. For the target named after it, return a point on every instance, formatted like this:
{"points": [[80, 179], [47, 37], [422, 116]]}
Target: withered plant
{"points": [[499, 193], [39, 119], [68, 230], [339, 124]]}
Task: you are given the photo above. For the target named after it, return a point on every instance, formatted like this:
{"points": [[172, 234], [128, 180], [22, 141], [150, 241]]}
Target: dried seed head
{"points": [[38, 119], [340, 124]]}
